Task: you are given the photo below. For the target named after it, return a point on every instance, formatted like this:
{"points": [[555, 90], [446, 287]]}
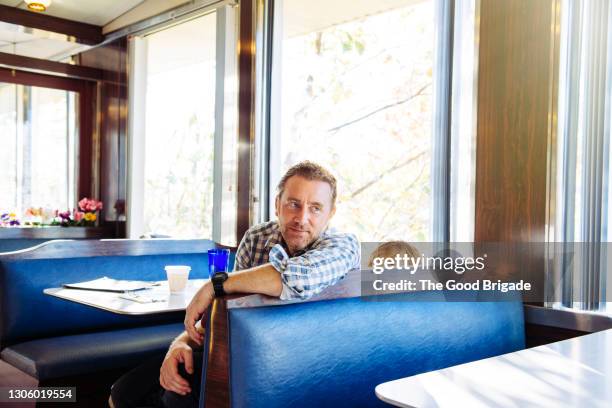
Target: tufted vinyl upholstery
{"points": [[28, 314], [48, 337], [333, 353]]}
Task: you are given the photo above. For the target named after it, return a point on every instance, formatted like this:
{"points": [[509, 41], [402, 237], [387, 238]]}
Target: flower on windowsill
{"points": [[9, 220], [36, 217], [90, 217], [88, 205], [84, 216], [65, 218]]}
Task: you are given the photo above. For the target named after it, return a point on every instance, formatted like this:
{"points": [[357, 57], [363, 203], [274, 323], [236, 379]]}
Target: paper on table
{"points": [[107, 284], [143, 298]]}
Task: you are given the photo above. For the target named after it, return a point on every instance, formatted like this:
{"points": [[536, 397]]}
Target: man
{"points": [[295, 256]]}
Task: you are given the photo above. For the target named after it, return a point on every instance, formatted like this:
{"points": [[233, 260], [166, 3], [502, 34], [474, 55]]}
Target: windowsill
{"points": [[571, 319], [56, 232]]}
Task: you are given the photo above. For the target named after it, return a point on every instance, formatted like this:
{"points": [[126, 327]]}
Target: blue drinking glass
{"points": [[217, 261]]}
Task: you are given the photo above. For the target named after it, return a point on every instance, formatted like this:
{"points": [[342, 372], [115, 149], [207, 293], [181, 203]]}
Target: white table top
{"points": [[571, 373], [165, 302]]}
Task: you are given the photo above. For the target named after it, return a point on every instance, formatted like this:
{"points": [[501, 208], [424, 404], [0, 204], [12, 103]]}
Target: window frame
{"points": [[224, 166], [86, 91], [266, 137]]}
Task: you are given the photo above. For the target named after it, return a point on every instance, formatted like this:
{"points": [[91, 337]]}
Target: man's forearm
{"points": [[184, 338], [262, 279]]}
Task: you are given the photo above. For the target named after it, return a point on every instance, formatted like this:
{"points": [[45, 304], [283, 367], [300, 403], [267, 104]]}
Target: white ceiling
{"points": [[15, 39], [300, 16], [35, 43], [97, 12]]}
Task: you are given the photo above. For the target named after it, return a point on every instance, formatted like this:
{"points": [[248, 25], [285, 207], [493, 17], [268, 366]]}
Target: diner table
{"points": [[570, 373], [157, 299]]}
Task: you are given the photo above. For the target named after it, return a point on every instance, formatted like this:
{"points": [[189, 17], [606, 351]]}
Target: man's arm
{"points": [[179, 352], [262, 279], [181, 349], [298, 277]]}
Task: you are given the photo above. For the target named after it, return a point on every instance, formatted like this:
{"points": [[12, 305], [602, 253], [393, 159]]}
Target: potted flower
{"points": [[88, 208], [84, 216], [9, 220]]}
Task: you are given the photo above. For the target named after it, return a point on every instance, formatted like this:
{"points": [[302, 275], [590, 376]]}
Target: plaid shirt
{"points": [[309, 271]]}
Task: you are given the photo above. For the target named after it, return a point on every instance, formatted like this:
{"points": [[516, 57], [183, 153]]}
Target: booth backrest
{"points": [[333, 353], [27, 313], [17, 244]]}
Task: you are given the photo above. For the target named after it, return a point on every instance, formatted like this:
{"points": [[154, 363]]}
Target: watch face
{"points": [[219, 277], [217, 281]]}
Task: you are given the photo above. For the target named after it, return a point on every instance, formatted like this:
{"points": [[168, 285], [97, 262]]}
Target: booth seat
{"points": [[49, 338], [334, 352]]}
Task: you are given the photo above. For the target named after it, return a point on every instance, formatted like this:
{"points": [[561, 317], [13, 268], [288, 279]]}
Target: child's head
{"points": [[392, 248]]}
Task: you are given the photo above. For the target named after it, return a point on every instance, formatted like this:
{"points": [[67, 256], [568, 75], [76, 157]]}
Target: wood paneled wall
{"points": [[517, 79], [110, 174]]}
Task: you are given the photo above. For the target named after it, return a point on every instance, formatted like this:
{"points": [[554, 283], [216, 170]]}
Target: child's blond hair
{"points": [[392, 248]]}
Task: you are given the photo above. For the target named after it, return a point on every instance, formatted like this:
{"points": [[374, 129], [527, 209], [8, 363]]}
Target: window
{"points": [[178, 151], [354, 88], [583, 168], [356, 96], [180, 125], [37, 127]]}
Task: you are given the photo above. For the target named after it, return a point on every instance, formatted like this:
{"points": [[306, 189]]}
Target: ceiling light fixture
{"points": [[38, 5]]}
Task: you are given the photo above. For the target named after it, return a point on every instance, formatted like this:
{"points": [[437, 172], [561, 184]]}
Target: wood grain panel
{"points": [[38, 64], [515, 76], [86, 119], [35, 79], [217, 371], [112, 59], [246, 106]]}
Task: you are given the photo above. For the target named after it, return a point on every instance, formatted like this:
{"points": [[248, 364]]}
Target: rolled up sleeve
{"points": [[308, 274]]}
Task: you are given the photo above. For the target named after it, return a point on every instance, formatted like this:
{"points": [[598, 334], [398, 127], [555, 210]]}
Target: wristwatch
{"points": [[217, 281]]}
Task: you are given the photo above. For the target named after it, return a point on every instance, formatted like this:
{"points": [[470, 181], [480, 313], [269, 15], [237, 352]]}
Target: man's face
{"points": [[303, 211]]}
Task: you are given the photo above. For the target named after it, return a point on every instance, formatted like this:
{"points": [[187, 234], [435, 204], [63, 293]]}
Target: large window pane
{"points": [[49, 149], [8, 152], [37, 128], [179, 127], [355, 90]]}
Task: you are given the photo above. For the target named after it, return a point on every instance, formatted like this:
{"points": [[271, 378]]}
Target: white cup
{"points": [[177, 277]]}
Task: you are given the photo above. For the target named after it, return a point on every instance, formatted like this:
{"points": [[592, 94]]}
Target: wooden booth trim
{"points": [[217, 348]]}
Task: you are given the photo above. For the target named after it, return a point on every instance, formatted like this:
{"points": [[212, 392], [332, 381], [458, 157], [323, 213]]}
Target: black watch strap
{"points": [[217, 281]]}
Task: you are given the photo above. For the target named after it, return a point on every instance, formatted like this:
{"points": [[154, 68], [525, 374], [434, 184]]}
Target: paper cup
{"points": [[177, 277]]}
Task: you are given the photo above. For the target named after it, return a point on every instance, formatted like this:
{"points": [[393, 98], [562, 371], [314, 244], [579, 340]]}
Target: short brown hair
{"points": [[310, 171]]}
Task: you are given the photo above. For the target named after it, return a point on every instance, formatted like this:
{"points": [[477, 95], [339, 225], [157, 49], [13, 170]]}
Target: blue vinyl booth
{"points": [[333, 352], [49, 338]]}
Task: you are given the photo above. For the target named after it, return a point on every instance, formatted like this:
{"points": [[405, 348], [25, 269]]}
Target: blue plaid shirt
{"points": [[308, 272]]}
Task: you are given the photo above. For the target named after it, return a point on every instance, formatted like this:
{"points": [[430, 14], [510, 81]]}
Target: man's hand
{"points": [[198, 305], [169, 378]]}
